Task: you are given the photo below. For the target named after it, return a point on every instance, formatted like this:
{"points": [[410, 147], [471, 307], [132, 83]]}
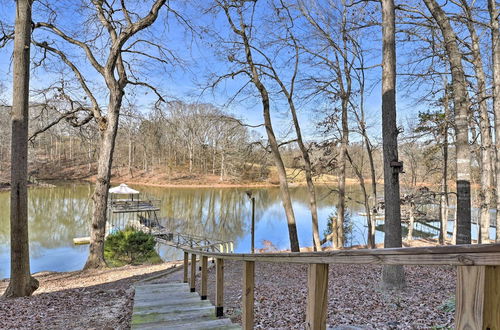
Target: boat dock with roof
{"points": [[127, 208]]}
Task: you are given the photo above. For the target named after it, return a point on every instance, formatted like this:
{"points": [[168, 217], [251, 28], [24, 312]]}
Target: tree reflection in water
{"points": [[57, 215]]}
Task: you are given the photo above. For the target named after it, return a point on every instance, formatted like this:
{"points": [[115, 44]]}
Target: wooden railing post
{"points": [[186, 263], [248, 294], [204, 277], [219, 287], [478, 297], [193, 272], [317, 296]]}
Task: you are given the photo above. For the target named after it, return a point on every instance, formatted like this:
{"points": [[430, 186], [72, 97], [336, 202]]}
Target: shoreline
{"points": [[189, 184], [216, 185], [182, 179]]}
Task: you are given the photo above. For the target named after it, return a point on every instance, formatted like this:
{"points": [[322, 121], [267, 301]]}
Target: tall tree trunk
{"points": [[393, 277], [214, 153], [485, 194], [366, 203], [21, 283], [495, 41], [109, 130], [264, 95], [305, 156], [280, 167], [372, 206], [338, 237], [344, 142], [71, 149], [312, 195], [444, 201], [191, 154], [222, 163], [461, 105], [130, 155], [411, 223]]}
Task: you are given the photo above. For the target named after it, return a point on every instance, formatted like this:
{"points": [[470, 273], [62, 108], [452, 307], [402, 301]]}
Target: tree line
{"points": [[177, 137]]}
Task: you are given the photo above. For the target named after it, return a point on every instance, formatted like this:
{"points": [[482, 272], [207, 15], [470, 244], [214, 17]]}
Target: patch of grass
{"points": [[130, 246]]}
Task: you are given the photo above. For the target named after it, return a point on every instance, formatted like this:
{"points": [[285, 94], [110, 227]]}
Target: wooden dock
{"points": [[173, 306]]}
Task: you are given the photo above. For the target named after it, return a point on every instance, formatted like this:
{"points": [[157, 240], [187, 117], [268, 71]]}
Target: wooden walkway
{"points": [[173, 306]]}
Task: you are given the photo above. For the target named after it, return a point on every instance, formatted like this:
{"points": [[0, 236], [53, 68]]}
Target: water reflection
{"points": [[57, 215]]}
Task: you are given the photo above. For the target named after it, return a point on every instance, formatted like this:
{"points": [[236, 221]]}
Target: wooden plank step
{"points": [[170, 308], [161, 286], [174, 317], [155, 295], [161, 291], [173, 306], [169, 284], [170, 302], [188, 324]]}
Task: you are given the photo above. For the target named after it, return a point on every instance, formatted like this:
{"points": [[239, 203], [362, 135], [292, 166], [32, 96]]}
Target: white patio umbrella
{"points": [[123, 189]]}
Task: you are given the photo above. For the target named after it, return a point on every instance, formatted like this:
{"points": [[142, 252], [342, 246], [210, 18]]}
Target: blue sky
{"points": [[201, 59]]}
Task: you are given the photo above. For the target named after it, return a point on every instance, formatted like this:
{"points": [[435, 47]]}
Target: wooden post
{"points": [[186, 263], [317, 296], [248, 294], [478, 297], [193, 272], [204, 277], [219, 287], [252, 248]]}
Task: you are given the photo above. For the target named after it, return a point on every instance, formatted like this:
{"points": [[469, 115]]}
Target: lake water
{"points": [[57, 215]]}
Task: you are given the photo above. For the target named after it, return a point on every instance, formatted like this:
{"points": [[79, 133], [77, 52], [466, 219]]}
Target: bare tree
{"points": [[393, 277], [21, 282], [461, 104], [370, 201], [120, 25], [495, 42], [486, 151], [337, 53], [288, 90], [241, 29]]}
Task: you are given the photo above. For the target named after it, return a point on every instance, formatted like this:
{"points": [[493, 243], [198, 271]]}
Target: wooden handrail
{"points": [[478, 278], [459, 255]]}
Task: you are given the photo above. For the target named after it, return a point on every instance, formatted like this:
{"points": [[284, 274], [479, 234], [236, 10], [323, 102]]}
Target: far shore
{"points": [[186, 180]]}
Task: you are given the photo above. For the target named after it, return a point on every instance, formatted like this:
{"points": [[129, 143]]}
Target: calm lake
{"points": [[57, 215]]}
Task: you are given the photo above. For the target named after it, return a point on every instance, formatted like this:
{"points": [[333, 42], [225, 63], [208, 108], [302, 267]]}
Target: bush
{"points": [[130, 246]]}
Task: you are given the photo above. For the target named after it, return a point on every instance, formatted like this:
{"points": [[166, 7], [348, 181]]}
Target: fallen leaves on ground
{"points": [[354, 295], [98, 299]]}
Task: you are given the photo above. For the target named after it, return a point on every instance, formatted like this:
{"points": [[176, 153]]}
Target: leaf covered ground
{"points": [[100, 299], [103, 299], [354, 295]]}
